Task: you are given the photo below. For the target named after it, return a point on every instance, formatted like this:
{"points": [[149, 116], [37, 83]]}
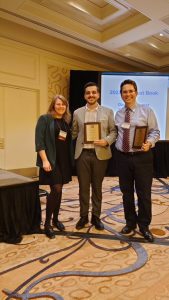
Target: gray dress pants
{"points": [[90, 172]]}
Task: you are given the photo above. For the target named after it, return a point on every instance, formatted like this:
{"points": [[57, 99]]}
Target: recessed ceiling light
{"points": [[161, 34]]}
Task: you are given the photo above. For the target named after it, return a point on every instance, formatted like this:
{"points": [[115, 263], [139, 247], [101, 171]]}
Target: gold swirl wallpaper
{"points": [[58, 81]]}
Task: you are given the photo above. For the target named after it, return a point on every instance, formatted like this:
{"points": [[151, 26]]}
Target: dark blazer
{"points": [[45, 139]]}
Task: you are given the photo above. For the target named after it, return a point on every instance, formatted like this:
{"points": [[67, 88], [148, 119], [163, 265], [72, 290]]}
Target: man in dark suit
{"points": [[135, 159]]}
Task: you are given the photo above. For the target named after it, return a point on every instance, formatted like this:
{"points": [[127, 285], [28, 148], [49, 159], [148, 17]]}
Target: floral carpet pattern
{"points": [[89, 264]]}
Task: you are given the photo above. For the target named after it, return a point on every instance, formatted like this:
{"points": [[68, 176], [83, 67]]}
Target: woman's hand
{"points": [[47, 166]]}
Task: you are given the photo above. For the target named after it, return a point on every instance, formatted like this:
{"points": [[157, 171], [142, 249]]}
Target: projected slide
{"points": [[153, 90]]}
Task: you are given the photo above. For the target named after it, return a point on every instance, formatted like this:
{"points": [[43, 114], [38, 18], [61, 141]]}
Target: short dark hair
{"points": [[128, 81], [90, 83]]}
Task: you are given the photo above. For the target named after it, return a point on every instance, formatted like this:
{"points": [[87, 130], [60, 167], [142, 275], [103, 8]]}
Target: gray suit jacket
{"points": [[108, 131]]}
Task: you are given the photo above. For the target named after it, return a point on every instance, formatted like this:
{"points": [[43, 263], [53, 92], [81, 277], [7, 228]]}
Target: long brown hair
{"points": [[51, 109]]}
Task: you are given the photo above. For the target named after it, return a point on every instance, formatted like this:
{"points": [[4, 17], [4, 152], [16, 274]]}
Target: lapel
{"points": [[51, 128], [82, 115], [99, 112]]}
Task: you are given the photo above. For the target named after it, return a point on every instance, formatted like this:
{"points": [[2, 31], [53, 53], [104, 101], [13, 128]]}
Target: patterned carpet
{"points": [[89, 264]]}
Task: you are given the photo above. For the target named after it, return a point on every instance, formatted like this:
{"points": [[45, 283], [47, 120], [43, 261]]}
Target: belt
{"points": [[89, 149], [132, 153]]}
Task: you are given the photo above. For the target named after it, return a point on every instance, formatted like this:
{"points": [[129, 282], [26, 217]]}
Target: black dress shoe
{"points": [[97, 223], [127, 229], [82, 222], [49, 232], [147, 235], [59, 225]]}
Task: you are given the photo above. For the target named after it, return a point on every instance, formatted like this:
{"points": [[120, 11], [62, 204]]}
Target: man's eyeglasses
{"points": [[128, 92]]}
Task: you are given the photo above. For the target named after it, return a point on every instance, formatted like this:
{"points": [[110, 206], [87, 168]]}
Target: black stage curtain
{"points": [[161, 160], [77, 81]]}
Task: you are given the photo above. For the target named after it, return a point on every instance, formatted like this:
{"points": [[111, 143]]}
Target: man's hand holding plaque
{"points": [[140, 136]]}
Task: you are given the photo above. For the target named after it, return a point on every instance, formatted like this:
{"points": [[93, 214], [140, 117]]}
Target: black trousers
{"points": [[90, 173], [135, 176]]}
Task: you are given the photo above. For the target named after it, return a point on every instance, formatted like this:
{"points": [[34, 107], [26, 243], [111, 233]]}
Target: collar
{"points": [[131, 108], [95, 109]]}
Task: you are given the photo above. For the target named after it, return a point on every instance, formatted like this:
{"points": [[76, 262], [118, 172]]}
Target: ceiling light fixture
{"points": [[152, 45], [77, 6]]}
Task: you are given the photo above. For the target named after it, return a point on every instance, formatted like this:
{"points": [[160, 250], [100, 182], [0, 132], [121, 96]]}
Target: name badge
{"points": [[125, 125], [62, 135]]}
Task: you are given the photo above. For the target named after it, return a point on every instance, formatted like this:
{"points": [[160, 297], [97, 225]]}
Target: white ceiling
{"points": [[133, 31]]}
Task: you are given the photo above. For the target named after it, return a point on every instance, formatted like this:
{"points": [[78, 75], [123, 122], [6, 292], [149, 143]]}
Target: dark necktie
{"points": [[126, 133]]}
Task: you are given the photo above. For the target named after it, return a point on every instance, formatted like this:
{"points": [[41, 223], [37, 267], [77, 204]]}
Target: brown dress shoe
{"points": [[82, 222]]}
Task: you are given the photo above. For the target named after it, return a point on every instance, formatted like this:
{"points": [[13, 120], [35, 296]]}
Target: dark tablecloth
{"points": [[20, 211]]}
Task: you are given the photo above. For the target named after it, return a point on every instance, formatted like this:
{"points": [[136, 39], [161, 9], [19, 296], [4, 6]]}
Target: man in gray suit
{"points": [[92, 154]]}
